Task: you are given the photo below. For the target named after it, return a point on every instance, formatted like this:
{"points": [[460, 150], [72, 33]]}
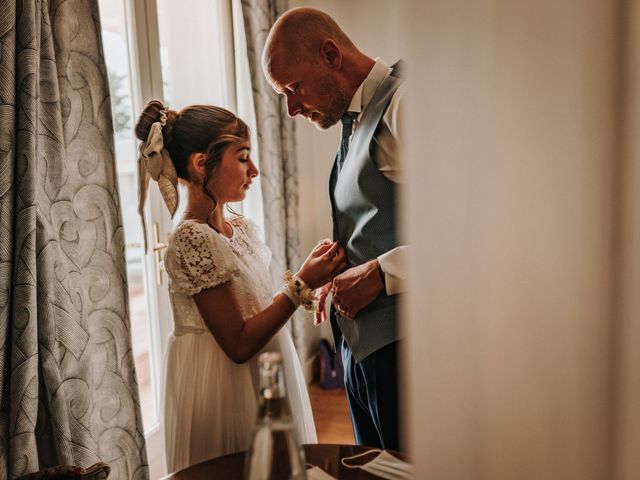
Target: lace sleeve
{"points": [[197, 259]]}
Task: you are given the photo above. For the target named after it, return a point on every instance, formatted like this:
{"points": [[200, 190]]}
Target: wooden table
{"points": [[327, 457]]}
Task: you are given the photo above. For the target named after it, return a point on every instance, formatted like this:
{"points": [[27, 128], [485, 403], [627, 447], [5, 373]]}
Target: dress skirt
{"points": [[211, 402]]}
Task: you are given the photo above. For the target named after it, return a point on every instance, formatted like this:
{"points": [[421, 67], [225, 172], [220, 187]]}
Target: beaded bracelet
{"points": [[298, 292]]}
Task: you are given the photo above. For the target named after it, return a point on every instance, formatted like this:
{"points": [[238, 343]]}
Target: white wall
{"points": [[522, 340], [626, 439]]}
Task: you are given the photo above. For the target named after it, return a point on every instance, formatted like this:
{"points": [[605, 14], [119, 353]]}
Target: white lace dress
{"points": [[210, 401]]}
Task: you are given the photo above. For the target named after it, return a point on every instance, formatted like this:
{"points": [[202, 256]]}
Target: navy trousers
{"points": [[372, 391]]}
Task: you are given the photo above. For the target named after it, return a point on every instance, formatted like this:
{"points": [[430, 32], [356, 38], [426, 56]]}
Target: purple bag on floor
{"points": [[331, 371]]}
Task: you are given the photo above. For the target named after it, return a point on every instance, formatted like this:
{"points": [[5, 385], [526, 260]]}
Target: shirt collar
{"points": [[368, 87]]}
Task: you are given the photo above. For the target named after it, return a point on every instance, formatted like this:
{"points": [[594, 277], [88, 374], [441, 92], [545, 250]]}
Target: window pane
{"points": [[200, 66], [197, 62], [193, 57], [116, 51]]}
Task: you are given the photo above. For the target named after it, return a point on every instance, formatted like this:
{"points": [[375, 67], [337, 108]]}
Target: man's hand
{"points": [[321, 310], [356, 288]]}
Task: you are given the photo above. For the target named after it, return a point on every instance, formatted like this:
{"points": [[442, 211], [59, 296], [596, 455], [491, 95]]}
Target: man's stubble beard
{"points": [[337, 106]]}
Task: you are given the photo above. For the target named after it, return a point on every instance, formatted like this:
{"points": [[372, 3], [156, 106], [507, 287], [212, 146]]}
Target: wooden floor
{"points": [[331, 414]]}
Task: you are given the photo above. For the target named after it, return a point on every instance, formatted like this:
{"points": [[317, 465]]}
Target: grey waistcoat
{"points": [[364, 221]]}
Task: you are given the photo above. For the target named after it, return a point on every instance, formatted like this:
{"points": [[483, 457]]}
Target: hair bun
{"points": [[152, 114], [167, 131]]}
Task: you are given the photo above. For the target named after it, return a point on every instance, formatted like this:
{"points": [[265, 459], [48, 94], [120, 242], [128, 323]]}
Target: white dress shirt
{"points": [[388, 158]]}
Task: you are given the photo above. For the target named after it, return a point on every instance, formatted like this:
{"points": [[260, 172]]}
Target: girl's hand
{"points": [[321, 308], [324, 262]]}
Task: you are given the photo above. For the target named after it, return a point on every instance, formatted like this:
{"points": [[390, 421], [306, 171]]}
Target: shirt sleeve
{"points": [[393, 265], [388, 138], [197, 259], [390, 163]]}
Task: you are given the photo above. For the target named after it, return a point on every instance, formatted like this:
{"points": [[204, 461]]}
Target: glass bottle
{"points": [[275, 452]]}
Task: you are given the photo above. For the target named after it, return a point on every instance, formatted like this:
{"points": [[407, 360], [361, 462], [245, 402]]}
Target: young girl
{"points": [[223, 305]]}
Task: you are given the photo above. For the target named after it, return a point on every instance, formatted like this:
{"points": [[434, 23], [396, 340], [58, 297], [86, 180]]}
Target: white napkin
{"points": [[316, 473]]}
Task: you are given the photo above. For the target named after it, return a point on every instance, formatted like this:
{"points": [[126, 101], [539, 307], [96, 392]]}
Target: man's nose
{"points": [[293, 107]]}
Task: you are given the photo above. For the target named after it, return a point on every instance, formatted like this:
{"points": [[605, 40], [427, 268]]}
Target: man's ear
{"points": [[331, 54]]}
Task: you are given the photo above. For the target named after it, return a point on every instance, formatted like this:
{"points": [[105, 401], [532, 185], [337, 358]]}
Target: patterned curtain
{"points": [[278, 164], [68, 385]]}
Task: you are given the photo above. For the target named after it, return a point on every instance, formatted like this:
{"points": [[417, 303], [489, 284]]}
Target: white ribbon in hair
{"points": [[155, 163]]}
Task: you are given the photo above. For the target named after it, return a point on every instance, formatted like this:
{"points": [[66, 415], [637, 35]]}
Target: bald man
{"points": [[326, 79]]}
